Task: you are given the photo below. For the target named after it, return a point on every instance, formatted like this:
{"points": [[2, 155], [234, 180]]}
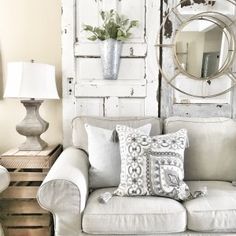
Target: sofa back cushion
{"points": [[80, 137], [212, 151]]}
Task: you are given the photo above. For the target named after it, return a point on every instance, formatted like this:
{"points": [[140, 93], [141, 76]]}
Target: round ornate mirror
{"points": [[203, 47]]}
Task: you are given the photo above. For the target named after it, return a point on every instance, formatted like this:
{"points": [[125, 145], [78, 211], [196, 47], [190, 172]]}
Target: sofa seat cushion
{"points": [[133, 215], [215, 212]]}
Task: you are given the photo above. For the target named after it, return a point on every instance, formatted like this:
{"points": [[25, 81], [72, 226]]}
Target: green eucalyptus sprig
{"points": [[114, 26]]}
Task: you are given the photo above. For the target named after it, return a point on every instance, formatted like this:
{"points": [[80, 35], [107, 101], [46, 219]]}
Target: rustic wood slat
{"points": [[68, 36], [91, 107], [21, 207], [33, 153], [30, 162], [47, 151], [27, 220], [110, 109], [14, 192], [135, 104], [24, 162], [27, 153], [45, 231], [129, 70], [11, 152], [129, 50], [54, 156], [152, 70], [27, 176], [16, 152], [118, 88]]}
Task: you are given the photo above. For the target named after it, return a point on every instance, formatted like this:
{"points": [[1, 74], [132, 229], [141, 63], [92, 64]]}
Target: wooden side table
{"points": [[21, 215]]}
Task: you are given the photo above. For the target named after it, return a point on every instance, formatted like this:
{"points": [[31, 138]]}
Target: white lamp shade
{"points": [[30, 80]]}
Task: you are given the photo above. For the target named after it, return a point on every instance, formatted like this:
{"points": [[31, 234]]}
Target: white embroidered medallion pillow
{"points": [[152, 165], [104, 156]]}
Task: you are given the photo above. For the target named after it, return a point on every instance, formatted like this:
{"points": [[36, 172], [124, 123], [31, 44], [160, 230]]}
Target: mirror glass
{"points": [[202, 48]]}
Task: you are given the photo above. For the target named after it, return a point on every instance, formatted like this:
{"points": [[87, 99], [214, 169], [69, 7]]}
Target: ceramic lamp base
{"points": [[32, 126]]}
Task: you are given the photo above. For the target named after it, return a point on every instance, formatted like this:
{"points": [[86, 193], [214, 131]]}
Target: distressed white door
{"points": [[173, 102], [85, 92]]}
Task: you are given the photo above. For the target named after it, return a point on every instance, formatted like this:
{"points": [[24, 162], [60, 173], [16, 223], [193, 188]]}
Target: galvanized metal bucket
{"points": [[110, 56]]}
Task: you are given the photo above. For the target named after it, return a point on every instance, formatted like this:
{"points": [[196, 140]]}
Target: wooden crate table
{"points": [[20, 213]]}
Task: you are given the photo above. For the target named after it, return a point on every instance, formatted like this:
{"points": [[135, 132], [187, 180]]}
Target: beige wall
{"points": [[29, 29], [195, 42], [213, 39]]}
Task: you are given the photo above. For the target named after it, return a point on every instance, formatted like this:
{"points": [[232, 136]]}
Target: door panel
{"points": [[174, 102]]}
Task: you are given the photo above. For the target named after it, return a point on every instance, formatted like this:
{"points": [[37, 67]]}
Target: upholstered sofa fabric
{"points": [[64, 191], [133, 215], [4, 182], [76, 212], [212, 151], [79, 134], [4, 178], [215, 212]]}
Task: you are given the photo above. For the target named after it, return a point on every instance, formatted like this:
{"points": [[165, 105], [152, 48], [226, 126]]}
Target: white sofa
{"points": [[210, 162], [4, 182]]}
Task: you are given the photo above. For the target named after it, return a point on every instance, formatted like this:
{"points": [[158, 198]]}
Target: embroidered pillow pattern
{"points": [[152, 165]]}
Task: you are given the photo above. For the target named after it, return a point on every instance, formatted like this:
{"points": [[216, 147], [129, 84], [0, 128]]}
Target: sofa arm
{"points": [[4, 178], [64, 191]]}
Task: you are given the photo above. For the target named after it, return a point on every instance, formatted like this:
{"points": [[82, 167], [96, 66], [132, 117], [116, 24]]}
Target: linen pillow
{"points": [[152, 165], [104, 156]]}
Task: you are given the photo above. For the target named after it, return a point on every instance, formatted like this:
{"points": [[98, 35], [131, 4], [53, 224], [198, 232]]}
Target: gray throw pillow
{"points": [[152, 165], [104, 156]]}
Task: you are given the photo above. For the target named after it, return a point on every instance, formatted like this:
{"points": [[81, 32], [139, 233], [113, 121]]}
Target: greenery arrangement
{"points": [[114, 26]]}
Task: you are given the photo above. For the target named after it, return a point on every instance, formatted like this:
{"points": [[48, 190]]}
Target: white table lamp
{"points": [[33, 83]]}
